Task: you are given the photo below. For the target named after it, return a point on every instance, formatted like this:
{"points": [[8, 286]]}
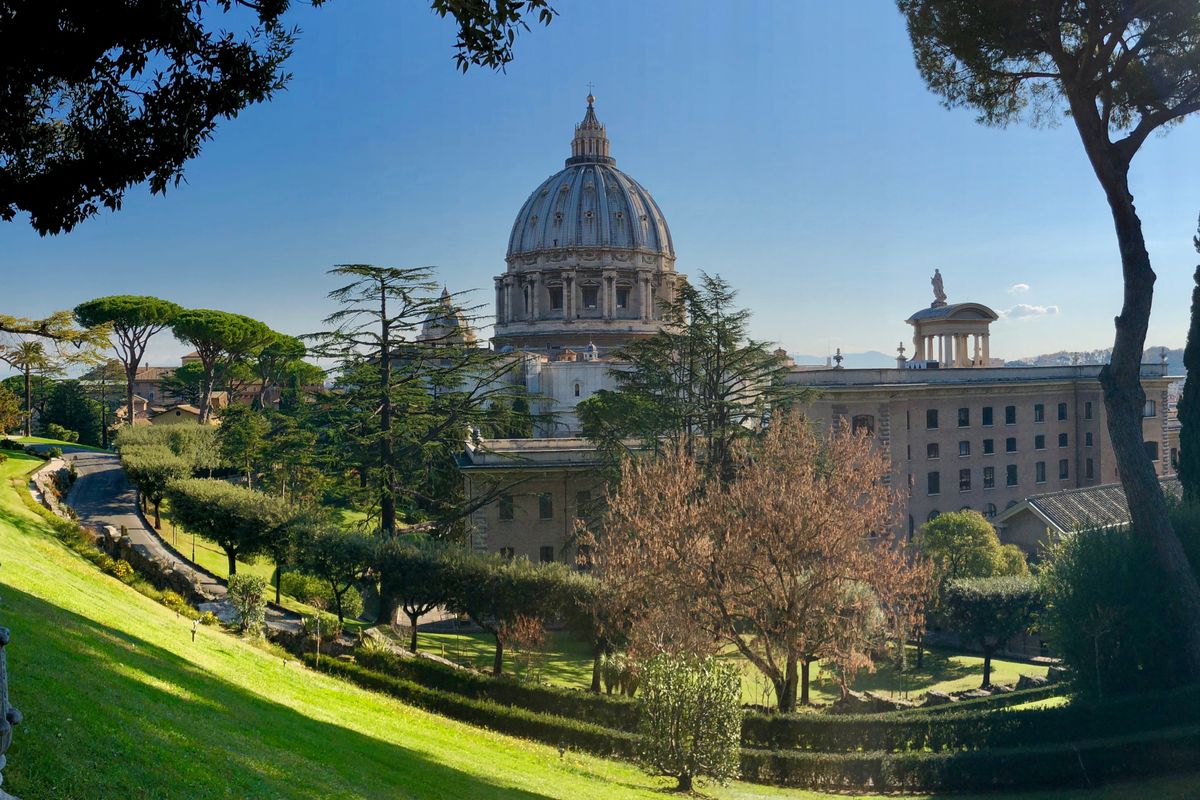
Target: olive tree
{"points": [[414, 569], [1121, 70], [151, 468], [340, 558], [690, 718], [240, 521], [990, 611]]}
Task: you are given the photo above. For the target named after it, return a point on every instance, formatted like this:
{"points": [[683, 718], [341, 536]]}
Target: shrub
{"points": [[10, 444], [554, 730], [208, 618], [691, 718], [248, 593], [610, 712], [327, 625], [122, 570], [176, 602], [1108, 612], [3, 458], [315, 592], [56, 431], [53, 452]]}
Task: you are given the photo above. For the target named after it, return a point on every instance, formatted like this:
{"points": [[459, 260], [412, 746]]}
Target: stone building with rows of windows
{"points": [[589, 256]]}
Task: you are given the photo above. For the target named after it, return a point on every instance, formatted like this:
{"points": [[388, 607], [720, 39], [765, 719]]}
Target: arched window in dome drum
{"points": [[864, 423], [578, 389]]}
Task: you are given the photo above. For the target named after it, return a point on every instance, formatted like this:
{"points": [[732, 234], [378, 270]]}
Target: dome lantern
{"points": [[590, 145]]}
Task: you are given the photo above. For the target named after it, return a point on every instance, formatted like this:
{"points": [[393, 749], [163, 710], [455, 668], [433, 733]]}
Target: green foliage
{"points": [[990, 611], [611, 712], [340, 559], [700, 382], [963, 544], [548, 728], [223, 341], [122, 570], [73, 410], [1108, 614], [322, 625], [56, 431], [151, 468], [248, 594], [242, 439], [691, 718], [1189, 403], [184, 382], [10, 410], [130, 316], [240, 521], [415, 571], [314, 591]]}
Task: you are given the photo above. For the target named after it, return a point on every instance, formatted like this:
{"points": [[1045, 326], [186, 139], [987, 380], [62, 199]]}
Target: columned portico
{"points": [[951, 336]]}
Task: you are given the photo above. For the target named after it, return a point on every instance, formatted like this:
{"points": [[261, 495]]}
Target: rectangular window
{"points": [[1010, 444], [989, 477], [1087, 410], [964, 417], [545, 505], [989, 446], [1087, 439], [1062, 411], [556, 297], [1089, 471], [622, 297], [935, 483], [964, 449], [1010, 415], [912, 482], [931, 419], [506, 553], [964, 480], [1150, 409], [1039, 412], [1064, 469], [591, 296], [506, 507], [931, 450], [583, 504], [1062, 440], [1151, 450], [908, 450], [987, 416], [1010, 475], [1039, 442], [546, 554], [1039, 472]]}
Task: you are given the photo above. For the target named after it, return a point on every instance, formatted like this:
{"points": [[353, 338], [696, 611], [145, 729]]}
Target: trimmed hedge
{"points": [[1081, 763], [971, 730], [996, 701], [620, 713], [554, 730]]}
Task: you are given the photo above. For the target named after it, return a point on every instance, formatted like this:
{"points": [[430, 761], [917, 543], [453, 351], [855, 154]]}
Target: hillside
{"points": [[119, 703], [1151, 355]]}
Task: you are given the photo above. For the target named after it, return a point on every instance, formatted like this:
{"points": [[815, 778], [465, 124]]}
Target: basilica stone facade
{"points": [[588, 259]]}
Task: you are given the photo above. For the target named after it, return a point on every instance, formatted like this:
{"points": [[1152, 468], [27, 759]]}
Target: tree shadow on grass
{"points": [[110, 715]]}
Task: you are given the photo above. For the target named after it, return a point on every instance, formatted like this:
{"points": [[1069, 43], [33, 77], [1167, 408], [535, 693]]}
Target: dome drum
{"points": [[589, 256]]}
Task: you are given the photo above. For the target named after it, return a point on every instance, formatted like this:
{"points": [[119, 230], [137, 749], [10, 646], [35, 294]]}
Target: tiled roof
{"points": [[1092, 506], [152, 373]]}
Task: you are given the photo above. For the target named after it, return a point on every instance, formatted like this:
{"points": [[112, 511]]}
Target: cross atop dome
{"points": [[590, 145]]}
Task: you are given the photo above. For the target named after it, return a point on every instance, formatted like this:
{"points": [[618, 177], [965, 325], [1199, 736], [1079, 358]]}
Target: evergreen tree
{"points": [[1189, 403]]}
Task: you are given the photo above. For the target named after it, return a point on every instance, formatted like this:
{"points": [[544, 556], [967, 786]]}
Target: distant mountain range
{"points": [[1064, 358]]}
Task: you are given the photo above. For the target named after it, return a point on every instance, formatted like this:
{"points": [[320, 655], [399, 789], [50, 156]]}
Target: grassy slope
{"points": [[120, 703]]}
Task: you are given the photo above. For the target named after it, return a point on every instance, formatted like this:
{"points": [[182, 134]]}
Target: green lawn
{"points": [[57, 443], [120, 703], [568, 662]]}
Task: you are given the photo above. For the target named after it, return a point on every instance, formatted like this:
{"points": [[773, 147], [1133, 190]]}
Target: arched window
{"points": [[933, 515], [989, 510], [864, 423], [578, 389]]}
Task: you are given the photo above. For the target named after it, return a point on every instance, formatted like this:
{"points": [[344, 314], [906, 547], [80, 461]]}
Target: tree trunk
{"points": [[920, 650], [804, 674], [987, 667], [685, 782], [157, 515], [1123, 401], [498, 661], [28, 402], [785, 690], [597, 654], [278, 581], [232, 556], [412, 623], [130, 376], [387, 457], [1121, 381]]}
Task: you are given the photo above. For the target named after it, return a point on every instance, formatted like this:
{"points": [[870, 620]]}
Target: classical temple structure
{"points": [[590, 255]]}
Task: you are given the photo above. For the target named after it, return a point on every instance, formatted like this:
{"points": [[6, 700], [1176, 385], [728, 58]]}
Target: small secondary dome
{"points": [[590, 204], [446, 323]]}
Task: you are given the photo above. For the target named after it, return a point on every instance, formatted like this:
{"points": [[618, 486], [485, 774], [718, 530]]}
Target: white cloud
{"points": [[1026, 311], [1018, 288]]}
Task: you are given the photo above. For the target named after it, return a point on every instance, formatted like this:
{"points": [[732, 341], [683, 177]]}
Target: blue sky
{"points": [[791, 146]]}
